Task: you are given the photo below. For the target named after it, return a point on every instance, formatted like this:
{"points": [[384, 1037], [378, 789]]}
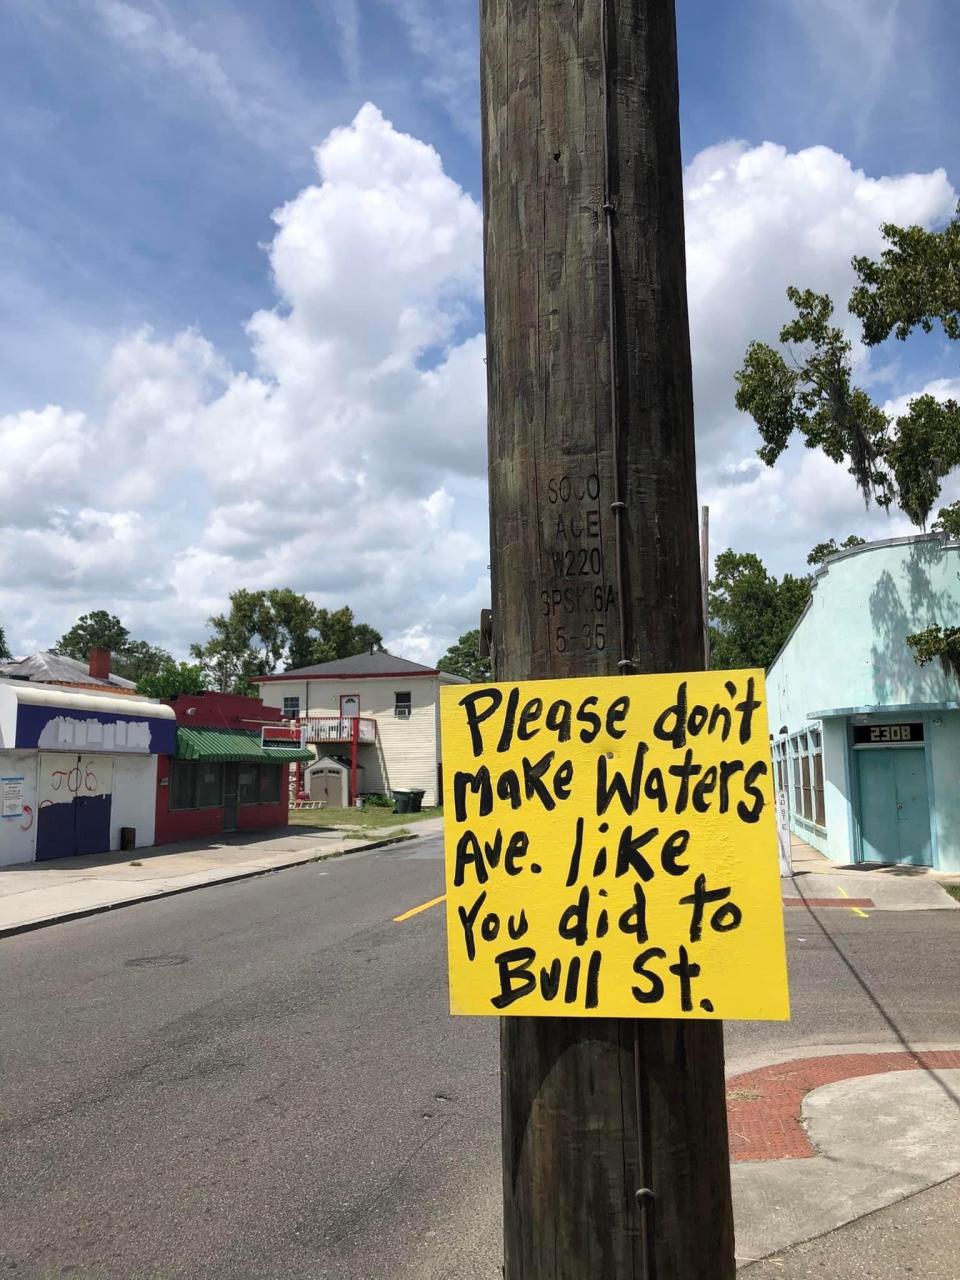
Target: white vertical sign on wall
{"points": [[783, 833]]}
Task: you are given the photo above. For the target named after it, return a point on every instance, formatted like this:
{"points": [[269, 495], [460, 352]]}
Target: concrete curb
{"points": [[766, 1108], [29, 926], [742, 1064]]}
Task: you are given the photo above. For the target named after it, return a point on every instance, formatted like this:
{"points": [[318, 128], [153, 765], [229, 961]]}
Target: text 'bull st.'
{"points": [[613, 853]]}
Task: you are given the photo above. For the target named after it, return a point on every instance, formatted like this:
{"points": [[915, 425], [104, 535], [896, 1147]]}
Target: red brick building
{"points": [[220, 777]]}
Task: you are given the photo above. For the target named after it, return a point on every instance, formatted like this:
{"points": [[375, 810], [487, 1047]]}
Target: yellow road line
{"points": [[415, 911], [856, 910]]}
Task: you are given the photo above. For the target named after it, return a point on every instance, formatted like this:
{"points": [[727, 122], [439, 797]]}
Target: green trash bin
{"points": [[416, 799], [403, 802]]}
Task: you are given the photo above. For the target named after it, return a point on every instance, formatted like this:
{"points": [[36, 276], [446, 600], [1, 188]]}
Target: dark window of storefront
{"points": [[780, 764], [270, 783], [260, 783], [807, 799], [196, 786], [183, 785], [209, 786], [806, 757], [249, 791], [819, 815]]}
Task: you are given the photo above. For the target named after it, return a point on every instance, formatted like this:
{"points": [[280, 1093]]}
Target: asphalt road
{"points": [[261, 1079], [887, 979], [257, 1080]]}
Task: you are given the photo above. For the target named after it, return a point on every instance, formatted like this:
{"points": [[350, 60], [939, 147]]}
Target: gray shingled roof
{"points": [[55, 668], [363, 664]]}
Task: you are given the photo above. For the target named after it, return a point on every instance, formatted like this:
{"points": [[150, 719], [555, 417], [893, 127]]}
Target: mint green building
{"points": [[866, 742]]}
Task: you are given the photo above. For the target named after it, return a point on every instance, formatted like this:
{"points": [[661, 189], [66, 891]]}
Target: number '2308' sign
{"points": [[887, 735]]}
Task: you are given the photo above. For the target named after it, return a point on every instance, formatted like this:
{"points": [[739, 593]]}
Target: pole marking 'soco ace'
{"points": [[611, 848], [575, 579]]}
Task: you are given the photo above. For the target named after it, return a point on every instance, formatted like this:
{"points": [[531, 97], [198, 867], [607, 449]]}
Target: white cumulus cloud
{"points": [[326, 469], [348, 461], [758, 219]]}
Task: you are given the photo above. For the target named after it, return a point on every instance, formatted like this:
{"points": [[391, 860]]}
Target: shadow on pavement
{"points": [[868, 992]]}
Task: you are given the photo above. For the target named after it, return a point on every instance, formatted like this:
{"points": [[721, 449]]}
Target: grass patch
{"points": [[363, 820], [953, 890]]}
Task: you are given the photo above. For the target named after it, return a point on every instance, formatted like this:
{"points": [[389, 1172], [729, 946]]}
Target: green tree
{"points": [[226, 668], [4, 651], [751, 612], [173, 678], [137, 660], [130, 659], [339, 636], [264, 629], [810, 389], [915, 282], [924, 450], [463, 659], [948, 521], [814, 395], [937, 643], [824, 549], [98, 629]]}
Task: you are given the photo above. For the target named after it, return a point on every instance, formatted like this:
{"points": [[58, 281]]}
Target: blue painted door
{"points": [[55, 826], [894, 807], [91, 830], [74, 803]]}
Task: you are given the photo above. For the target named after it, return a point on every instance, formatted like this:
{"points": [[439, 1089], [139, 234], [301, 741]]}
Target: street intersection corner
{"points": [[819, 1142]]}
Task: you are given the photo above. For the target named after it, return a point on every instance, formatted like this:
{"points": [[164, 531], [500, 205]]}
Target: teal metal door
{"points": [[913, 807], [894, 808]]}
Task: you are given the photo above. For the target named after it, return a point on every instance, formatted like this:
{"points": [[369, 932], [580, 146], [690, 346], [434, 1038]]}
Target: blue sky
{"points": [[144, 147]]}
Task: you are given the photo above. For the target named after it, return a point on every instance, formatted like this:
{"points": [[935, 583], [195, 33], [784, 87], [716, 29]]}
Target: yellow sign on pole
{"points": [[611, 848]]}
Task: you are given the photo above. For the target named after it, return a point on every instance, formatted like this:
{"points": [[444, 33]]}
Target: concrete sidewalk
{"points": [[889, 888], [35, 894], [845, 1156], [918, 1236]]}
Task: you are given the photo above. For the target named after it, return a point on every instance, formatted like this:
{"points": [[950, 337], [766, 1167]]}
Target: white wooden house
{"points": [[378, 713]]}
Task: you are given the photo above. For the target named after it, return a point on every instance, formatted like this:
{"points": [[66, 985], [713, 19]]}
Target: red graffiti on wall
{"points": [[28, 814], [75, 778]]}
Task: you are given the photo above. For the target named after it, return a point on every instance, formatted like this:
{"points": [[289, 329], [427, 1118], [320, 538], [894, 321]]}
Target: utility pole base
{"points": [[585, 1131]]}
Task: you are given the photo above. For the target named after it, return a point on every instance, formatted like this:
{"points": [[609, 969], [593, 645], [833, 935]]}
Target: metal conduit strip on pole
{"points": [[645, 1196]]}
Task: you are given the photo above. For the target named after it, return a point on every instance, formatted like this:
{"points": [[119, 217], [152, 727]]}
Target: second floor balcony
{"points": [[338, 728]]}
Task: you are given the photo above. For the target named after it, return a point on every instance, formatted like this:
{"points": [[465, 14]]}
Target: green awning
{"points": [[233, 746]]}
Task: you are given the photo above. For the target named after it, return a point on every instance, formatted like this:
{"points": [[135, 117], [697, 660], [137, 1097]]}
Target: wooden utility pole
{"points": [[595, 570], [705, 580]]}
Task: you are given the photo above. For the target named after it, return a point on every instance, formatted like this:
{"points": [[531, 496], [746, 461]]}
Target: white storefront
{"points": [[76, 768]]}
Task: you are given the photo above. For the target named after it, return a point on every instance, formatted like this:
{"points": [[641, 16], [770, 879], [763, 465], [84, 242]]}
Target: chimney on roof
{"points": [[99, 664]]}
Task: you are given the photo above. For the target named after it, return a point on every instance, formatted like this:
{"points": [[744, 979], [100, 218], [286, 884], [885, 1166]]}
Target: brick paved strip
{"points": [[829, 902], [763, 1106]]}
